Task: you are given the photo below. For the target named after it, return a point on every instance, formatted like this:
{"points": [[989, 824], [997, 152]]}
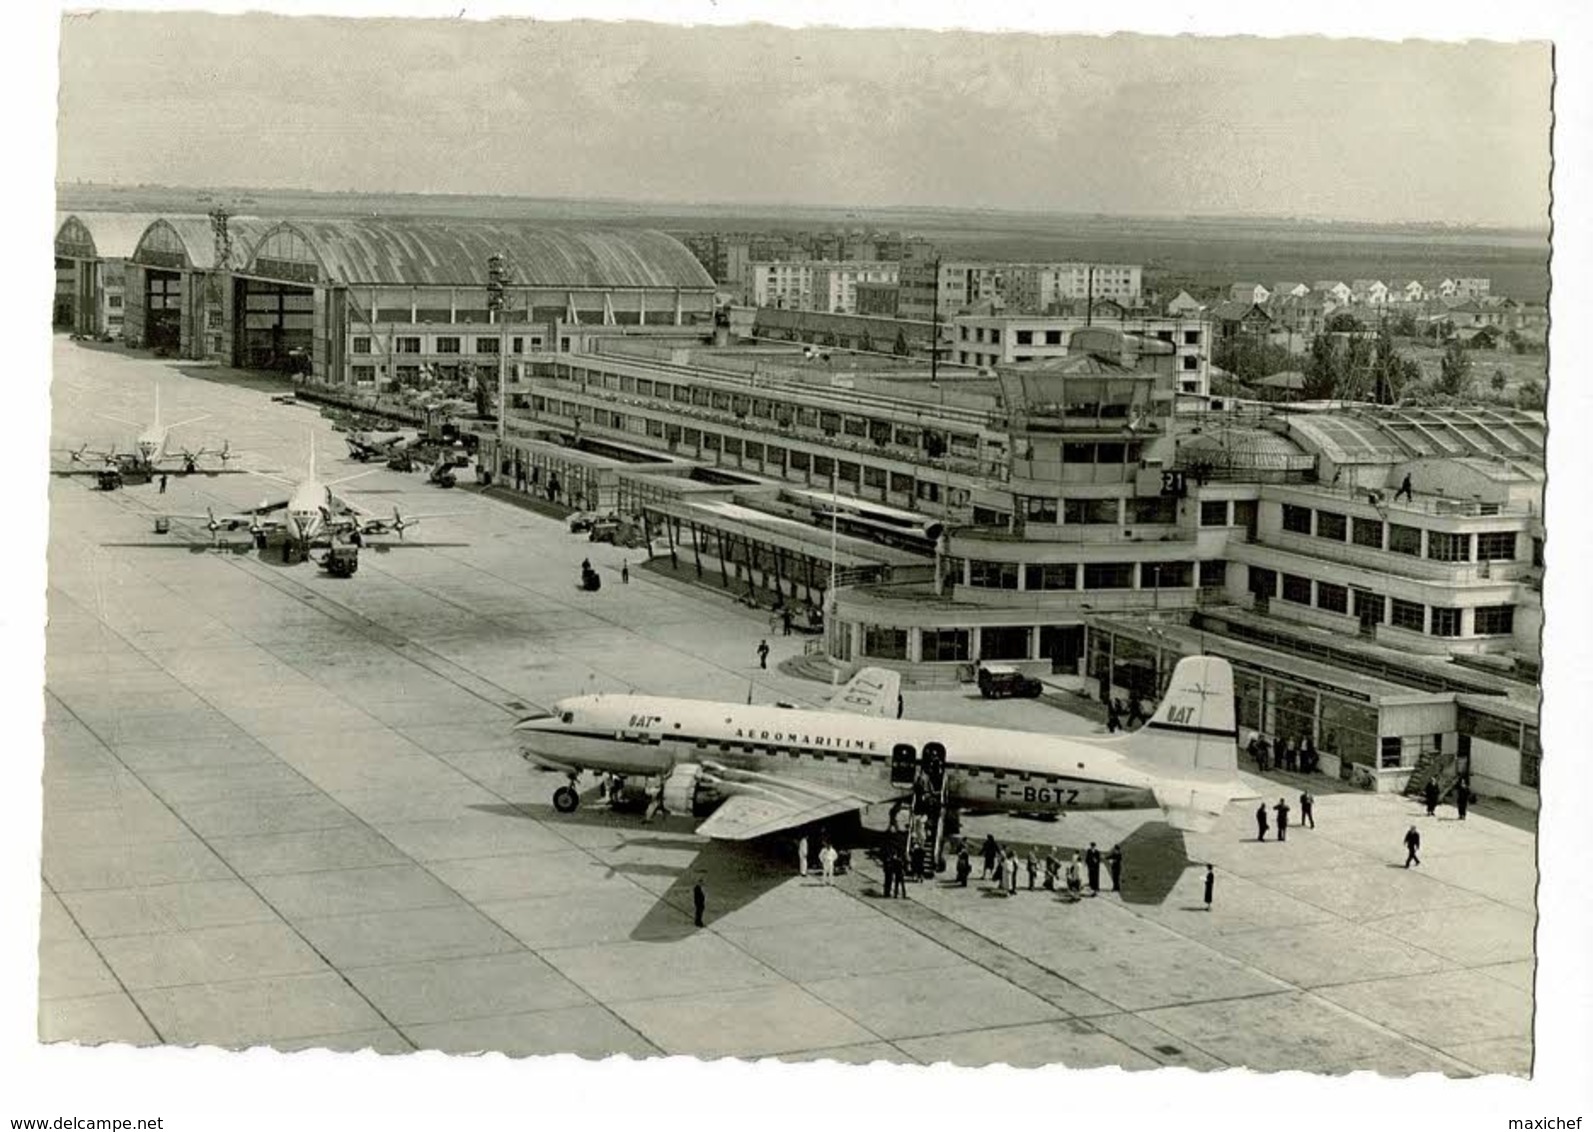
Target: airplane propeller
{"points": [[213, 526], [398, 523], [77, 455]]}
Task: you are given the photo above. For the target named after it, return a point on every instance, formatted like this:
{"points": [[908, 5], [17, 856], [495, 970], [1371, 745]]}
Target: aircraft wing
{"points": [[873, 691], [745, 816], [762, 803]]}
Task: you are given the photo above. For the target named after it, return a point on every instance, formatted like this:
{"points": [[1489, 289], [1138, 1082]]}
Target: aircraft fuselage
{"points": [[986, 768]]}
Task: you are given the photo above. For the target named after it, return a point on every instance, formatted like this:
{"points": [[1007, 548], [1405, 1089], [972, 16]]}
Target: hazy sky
{"points": [[1308, 127]]}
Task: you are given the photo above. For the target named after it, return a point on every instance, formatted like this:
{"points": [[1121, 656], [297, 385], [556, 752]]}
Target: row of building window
{"points": [[444, 344], [1136, 510], [988, 575], [1487, 620], [1441, 546], [831, 422], [771, 459]]}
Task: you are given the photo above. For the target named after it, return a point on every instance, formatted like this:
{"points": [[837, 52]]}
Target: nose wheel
{"points": [[565, 799]]}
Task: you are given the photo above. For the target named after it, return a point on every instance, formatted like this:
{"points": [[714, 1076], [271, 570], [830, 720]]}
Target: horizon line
{"points": [[655, 203]]}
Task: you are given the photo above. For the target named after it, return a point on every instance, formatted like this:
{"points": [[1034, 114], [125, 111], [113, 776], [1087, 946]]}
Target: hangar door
{"points": [[163, 310], [278, 325]]}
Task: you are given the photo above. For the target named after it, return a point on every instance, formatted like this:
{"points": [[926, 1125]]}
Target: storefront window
{"points": [[944, 644], [1004, 643], [884, 643]]}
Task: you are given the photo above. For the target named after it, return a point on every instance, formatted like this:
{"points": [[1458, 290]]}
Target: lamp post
{"points": [[499, 273]]}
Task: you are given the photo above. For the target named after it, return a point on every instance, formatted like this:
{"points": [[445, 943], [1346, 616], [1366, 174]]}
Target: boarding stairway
{"points": [[1433, 766], [926, 827]]}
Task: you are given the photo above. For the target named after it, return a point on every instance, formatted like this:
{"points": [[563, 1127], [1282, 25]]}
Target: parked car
{"points": [[997, 680]]}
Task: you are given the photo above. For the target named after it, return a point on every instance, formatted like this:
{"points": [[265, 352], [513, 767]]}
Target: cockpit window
{"points": [[567, 717]]}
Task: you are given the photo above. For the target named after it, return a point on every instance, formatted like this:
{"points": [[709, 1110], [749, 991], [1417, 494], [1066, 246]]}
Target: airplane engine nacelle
{"points": [[680, 788]]}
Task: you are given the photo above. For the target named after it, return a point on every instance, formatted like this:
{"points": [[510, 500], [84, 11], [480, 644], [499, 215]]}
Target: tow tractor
{"points": [[341, 561]]}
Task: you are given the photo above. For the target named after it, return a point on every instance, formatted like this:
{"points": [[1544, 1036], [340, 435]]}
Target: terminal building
{"points": [[1373, 573]]}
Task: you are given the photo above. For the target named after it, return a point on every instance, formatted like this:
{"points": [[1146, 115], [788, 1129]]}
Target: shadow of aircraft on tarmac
{"points": [[668, 861]]}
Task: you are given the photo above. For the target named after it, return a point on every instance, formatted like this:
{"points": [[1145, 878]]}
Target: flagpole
{"points": [[835, 511]]}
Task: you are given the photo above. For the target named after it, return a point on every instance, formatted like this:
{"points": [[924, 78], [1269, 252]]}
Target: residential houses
{"points": [[1369, 292], [1334, 289], [1248, 293]]}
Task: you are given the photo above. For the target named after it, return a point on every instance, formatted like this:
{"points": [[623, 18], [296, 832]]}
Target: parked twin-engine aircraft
{"points": [[149, 455], [364, 446], [312, 515], [775, 768]]}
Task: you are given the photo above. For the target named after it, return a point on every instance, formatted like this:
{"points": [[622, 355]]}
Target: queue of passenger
{"points": [[1294, 756]]}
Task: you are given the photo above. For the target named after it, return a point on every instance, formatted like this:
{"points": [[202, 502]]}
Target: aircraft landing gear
{"points": [[565, 799]]}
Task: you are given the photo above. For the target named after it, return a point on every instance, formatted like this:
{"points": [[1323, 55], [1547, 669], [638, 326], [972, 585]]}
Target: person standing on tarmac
{"points": [[1282, 810], [699, 901], [1261, 822], [802, 856], [1114, 867], [1092, 868], [625, 572], [1012, 872], [763, 654], [1211, 883], [992, 854], [1430, 796], [1307, 818], [1033, 866], [1462, 797]]}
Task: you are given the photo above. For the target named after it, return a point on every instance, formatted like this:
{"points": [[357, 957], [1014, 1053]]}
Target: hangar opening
{"points": [[163, 310], [277, 331]]}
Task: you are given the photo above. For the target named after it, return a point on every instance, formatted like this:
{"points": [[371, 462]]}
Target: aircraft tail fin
{"points": [[1191, 745]]}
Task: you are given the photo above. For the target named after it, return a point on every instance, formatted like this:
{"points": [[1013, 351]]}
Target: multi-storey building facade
{"points": [[835, 284], [989, 341], [784, 285], [945, 287], [1034, 288]]}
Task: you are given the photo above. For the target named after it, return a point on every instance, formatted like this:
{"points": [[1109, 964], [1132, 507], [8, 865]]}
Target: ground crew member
{"points": [[1430, 796], [1306, 802], [1092, 868], [763, 654], [992, 853], [1261, 822], [1211, 883], [625, 572], [1033, 867], [1462, 796], [1413, 842], [1114, 867], [1282, 810], [163, 483], [698, 900], [964, 866], [827, 857]]}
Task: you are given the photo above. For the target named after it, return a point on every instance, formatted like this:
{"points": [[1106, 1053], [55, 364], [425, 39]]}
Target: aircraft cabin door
{"points": [[935, 765], [904, 765]]}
